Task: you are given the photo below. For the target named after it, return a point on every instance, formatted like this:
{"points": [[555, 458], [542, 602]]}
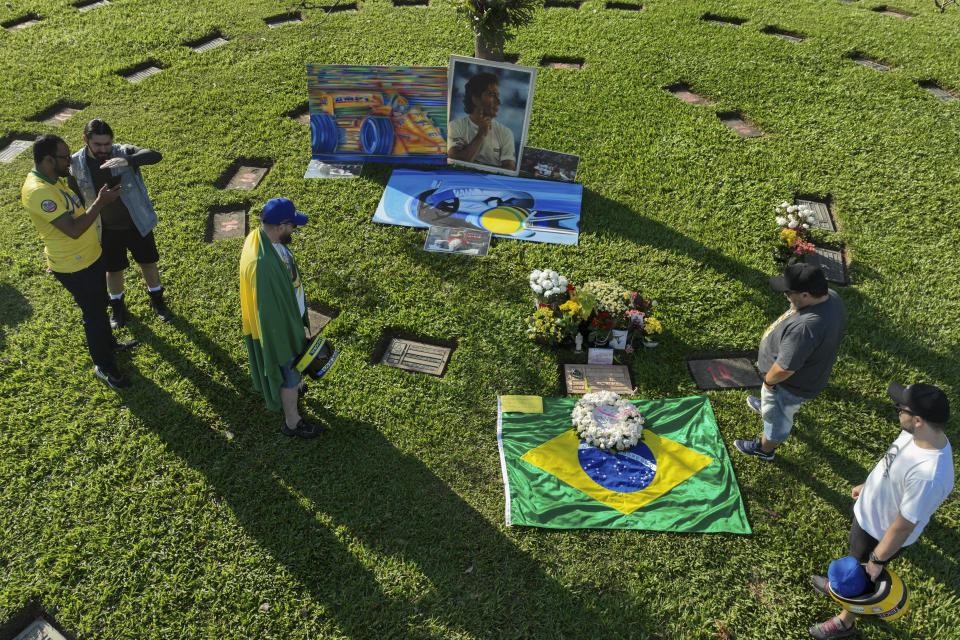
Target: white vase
{"points": [[650, 345]]}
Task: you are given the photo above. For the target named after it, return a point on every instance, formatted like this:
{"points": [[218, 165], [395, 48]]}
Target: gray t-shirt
{"points": [[805, 341]]}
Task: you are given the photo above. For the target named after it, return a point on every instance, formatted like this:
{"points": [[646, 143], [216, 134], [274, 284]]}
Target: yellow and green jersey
{"points": [[47, 202]]}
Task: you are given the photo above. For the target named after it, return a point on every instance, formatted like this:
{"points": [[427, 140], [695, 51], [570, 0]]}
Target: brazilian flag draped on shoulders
{"points": [[272, 324], [677, 478]]}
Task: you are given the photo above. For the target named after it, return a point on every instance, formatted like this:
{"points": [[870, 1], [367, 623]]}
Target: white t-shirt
{"points": [[287, 258], [908, 480], [496, 148]]}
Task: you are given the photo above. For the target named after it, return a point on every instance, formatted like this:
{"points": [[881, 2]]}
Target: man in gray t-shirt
{"points": [[796, 355]]}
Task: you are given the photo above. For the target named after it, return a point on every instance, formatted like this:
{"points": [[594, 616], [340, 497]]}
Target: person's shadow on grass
{"points": [[364, 494]]}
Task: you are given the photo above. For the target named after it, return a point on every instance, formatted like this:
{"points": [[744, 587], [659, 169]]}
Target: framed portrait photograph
{"points": [[488, 106]]}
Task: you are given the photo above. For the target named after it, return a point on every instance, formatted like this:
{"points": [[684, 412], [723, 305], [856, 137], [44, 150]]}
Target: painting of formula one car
{"points": [[535, 210], [377, 114]]}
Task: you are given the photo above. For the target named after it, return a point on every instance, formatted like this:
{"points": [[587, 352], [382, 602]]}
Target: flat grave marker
{"points": [[282, 19], [318, 321], [873, 64], [562, 62], [562, 4], [142, 72], [338, 8], [832, 263], [61, 116], [411, 3], [89, 5], [688, 95], [22, 22], [223, 224], [511, 57], [247, 178], [789, 36], [724, 373], [821, 212], [623, 6], [941, 94], [893, 13], [40, 629], [208, 43], [9, 153], [418, 357], [722, 20], [599, 377], [743, 127]]}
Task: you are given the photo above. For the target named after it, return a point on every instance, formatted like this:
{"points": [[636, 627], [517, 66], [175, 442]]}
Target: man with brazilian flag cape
{"points": [[273, 311], [678, 477]]}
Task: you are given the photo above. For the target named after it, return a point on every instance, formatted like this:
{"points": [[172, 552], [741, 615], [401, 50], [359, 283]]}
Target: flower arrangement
{"points": [[793, 240], [606, 421], [605, 311], [555, 325]]}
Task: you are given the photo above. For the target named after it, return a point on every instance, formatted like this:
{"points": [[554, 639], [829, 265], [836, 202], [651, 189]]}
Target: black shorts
{"points": [[862, 543], [116, 243]]}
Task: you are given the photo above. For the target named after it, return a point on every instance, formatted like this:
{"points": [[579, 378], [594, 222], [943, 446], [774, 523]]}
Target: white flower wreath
{"points": [[605, 420]]}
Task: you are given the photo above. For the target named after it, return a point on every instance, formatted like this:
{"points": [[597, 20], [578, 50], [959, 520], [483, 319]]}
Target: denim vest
{"points": [[133, 192]]}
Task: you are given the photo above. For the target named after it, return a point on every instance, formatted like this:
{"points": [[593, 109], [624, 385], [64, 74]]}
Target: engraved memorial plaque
{"points": [[317, 322], [821, 212], [724, 373], [685, 93], [247, 178], [61, 116], [227, 224], [40, 629], [208, 43], [832, 264], [12, 150], [416, 356], [598, 377], [142, 74], [744, 128]]}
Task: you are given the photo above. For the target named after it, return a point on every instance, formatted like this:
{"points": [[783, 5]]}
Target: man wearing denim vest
{"points": [[127, 224], [796, 355]]}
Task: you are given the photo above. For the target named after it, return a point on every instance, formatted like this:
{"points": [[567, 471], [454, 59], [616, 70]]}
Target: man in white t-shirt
{"points": [[477, 137], [901, 493]]}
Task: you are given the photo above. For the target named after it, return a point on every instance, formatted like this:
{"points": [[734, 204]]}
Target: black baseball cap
{"points": [[799, 277], [924, 400]]}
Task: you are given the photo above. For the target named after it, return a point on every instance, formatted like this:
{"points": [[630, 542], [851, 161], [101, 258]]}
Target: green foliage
{"points": [[177, 510], [496, 21]]}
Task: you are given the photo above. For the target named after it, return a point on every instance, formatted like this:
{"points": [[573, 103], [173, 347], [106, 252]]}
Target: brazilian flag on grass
{"points": [[677, 478]]}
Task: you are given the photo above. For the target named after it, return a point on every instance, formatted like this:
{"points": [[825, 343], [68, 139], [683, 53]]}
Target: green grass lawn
{"points": [[179, 511]]}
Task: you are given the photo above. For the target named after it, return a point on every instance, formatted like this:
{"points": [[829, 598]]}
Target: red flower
{"points": [[570, 288]]}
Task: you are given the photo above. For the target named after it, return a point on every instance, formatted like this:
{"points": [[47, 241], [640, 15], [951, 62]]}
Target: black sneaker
{"points": [[114, 379], [159, 306], [753, 448], [118, 313], [125, 345], [305, 429]]}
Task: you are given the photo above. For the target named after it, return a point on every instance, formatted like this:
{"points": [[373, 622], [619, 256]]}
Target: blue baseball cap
{"points": [[847, 578], [280, 210]]}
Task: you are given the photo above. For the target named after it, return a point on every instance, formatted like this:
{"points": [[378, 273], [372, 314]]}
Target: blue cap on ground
{"points": [[280, 210], [847, 578]]}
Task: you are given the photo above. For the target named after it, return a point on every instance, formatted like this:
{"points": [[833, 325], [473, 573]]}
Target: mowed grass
{"points": [[177, 510]]}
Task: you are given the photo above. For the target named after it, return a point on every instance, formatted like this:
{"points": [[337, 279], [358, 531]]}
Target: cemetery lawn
{"points": [[177, 510]]}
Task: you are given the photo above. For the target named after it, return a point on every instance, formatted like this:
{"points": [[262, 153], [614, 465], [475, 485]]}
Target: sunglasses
{"points": [[905, 410]]}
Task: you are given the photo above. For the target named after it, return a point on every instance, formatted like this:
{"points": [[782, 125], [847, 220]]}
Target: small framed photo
{"points": [[599, 356], [470, 242], [488, 110], [320, 169], [544, 164]]}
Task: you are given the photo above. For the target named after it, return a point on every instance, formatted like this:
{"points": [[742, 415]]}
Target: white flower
{"points": [[781, 220], [792, 208], [811, 219], [563, 281], [537, 289], [535, 274], [806, 226], [793, 224]]}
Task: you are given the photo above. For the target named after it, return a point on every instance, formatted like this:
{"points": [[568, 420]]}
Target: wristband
{"points": [[875, 560]]}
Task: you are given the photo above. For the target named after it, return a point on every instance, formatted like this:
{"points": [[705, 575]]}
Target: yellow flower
{"points": [[570, 307], [652, 325], [788, 237]]}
